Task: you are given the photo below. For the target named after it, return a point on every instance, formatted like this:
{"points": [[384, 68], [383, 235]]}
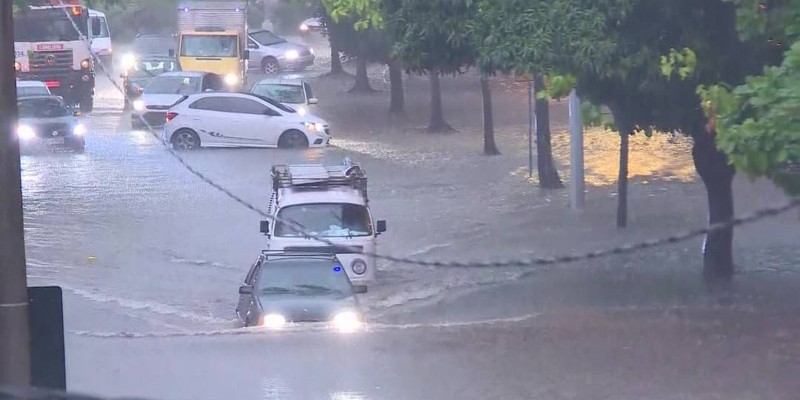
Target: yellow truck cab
{"points": [[212, 38]]}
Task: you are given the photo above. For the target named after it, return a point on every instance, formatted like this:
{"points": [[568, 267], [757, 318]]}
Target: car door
{"points": [[210, 118], [246, 304], [256, 123]]}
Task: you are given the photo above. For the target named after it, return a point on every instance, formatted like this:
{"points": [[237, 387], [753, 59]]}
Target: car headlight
{"points": [[359, 267], [291, 55], [128, 61], [231, 79], [138, 105], [85, 64], [17, 66], [273, 321], [346, 322], [315, 127], [79, 130], [25, 132], [303, 27]]}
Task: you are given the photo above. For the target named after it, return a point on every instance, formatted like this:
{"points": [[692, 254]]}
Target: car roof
{"points": [[186, 73], [30, 84], [280, 81]]}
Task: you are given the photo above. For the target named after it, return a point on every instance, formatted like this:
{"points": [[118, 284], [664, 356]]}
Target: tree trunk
{"points": [[437, 123], [622, 179], [362, 79], [717, 175], [398, 102], [336, 62], [489, 145], [548, 174]]}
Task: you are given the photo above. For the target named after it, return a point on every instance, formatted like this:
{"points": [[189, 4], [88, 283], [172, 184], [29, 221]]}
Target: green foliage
{"points": [[432, 35], [757, 123], [683, 62], [364, 14]]}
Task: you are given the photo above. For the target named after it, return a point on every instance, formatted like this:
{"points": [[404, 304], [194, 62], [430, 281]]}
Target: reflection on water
{"points": [[348, 396], [275, 388]]}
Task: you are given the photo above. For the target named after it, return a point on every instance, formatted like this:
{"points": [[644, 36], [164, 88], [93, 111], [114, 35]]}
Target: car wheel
{"points": [[86, 105], [270, 66], [293, 139], [185, 139]]}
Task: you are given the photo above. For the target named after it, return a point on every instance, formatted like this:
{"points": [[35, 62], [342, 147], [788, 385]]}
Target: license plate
{"points": [[54, 141]]}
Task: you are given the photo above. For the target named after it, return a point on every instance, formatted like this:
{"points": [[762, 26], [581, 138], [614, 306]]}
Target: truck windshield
{"points": [[47, 107], [292, 94], [209, 46], [49, 25], [326, 220], [174, 85]]}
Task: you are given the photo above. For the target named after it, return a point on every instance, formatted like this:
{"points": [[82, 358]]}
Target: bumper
{"points": [[70, 141], [153, 118], [72, 87], [298, 63]]}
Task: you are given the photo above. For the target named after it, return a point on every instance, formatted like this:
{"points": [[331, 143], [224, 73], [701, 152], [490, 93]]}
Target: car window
{"points": [[219, 104], [291, 94], [46, 107], [267, 38], [247, 106], [252, 43], [174, 84], [32, 90], [249, 279], [309, 93]]}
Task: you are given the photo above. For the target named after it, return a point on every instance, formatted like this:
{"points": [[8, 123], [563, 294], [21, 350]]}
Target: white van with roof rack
{"points": [[328, 202]]}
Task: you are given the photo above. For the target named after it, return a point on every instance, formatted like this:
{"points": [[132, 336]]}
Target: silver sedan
{"points": [[273, 54]]}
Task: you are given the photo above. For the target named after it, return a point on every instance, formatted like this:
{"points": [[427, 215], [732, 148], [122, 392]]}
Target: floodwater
{"points": [[150, 259]]}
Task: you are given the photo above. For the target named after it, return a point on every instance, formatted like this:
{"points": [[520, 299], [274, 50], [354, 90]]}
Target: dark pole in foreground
{"points": [[15, 363]]}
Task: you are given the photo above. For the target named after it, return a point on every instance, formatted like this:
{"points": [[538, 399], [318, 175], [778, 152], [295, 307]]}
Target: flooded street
{"points": [[150, 258]]}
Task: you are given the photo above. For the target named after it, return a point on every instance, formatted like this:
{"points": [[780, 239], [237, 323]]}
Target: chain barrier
{"points": [[537, 261]]}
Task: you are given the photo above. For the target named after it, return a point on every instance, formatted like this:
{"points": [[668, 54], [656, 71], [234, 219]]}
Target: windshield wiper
{"points": [[316, 288], [275, 289]]}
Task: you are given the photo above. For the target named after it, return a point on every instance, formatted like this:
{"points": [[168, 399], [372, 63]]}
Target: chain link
{"points": [[536, 261]]}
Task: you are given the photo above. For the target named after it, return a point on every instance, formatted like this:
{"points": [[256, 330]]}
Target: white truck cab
{"points": [[328, 202], [101, 37]]}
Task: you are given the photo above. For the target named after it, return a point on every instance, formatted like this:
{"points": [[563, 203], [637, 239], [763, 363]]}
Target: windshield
{"points": [[174, 85], [48, 26], [32, 90], [276, 104], [43, 108], [267, 38], [292, 94], [292, 277], [150, 68], [209, 46], [327, 220]]}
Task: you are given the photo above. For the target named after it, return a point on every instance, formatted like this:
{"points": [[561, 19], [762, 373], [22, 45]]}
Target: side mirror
{"points": [[246, 54], [171, 53], [359, 289], [245, 289], [381, 226], [265, 227], [252, 46], [313, 101]]}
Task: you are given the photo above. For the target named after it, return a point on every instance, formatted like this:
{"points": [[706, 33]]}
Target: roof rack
{"points": [[319, 177]]}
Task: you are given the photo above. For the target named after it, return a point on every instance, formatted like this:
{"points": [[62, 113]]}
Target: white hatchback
{"points": [[241, 120]]}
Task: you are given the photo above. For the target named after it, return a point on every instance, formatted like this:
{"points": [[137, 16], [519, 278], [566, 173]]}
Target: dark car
{"points": [[283, 288], [166, 90], [154, 44], [47, 120], [143, 70]]}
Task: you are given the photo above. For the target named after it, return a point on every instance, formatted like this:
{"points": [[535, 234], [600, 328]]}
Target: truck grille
{"points": [[51, 64]]}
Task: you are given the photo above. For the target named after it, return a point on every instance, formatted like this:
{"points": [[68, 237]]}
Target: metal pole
{"points": [[15, 363], [530, 129], [576, 190]]}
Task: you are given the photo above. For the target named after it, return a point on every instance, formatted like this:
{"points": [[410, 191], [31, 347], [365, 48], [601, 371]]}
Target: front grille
{"points": [[46, 130], [155, 118], [51, 65]]}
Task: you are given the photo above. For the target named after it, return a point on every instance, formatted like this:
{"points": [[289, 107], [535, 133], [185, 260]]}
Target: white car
{"points": [[167, 89], [241, 120], [32, 88], [293, 93]]}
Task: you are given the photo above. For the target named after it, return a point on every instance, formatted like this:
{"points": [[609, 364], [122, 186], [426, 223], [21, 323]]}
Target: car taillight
{"points": [[171, 116]]}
